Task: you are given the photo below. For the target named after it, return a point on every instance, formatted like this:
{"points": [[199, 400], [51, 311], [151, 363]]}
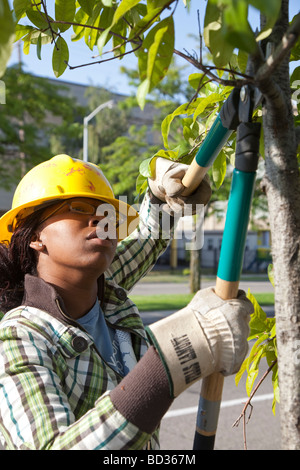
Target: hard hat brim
{"points": [[129, 215]]}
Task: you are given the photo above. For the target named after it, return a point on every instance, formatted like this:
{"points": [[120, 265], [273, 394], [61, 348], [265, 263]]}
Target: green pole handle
{"points": [[229, 269], [207, 153], [227, 283], [236, 225]]}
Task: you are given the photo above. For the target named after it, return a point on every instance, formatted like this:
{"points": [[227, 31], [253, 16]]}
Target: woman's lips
{"points": [[93, 238]]}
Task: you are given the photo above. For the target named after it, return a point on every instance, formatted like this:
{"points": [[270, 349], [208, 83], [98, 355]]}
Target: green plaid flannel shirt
{"points": [[54, 397]]}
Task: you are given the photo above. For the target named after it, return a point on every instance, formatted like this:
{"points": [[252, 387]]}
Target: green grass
{"points": [[178, 301], [161, 302], [265, 298]]}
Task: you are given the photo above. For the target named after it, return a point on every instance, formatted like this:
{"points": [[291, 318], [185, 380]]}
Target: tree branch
{"points": [[264, 69], [93, 27], [207, 70], [48, 21], [289, 39], [248, 403], [73, 67]]}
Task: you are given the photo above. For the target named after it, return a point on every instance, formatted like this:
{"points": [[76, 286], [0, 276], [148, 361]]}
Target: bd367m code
{"points": [[171, 459]]}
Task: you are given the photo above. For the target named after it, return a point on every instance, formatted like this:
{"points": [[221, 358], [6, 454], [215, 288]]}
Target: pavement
{"points": [[152, 288]]}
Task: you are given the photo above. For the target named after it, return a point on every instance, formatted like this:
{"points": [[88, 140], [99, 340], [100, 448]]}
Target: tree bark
{"points": [[195, 264], [283, 193]]}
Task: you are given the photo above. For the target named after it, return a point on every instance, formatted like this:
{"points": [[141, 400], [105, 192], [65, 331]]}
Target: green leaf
{"points": [[39, 47], [7, 35], [81, 18], [271, 274], [236, 29], [60, 57], [270, 9], [256, 348], [219, 169], [87, 6], [20, 7], [205, 102], [142, 92], [26, 45], [253, 371], [145, 168], [240, 373], [103, 39], [273, 330], [168, 154], [276, 391], [214, 36], [141, 184], [295, 52], [190, 130], [258, 323], [186, 108], [148, 16], [123, 8], [92, 34], [271, 352], [65, 11], [242, 60], [156, 56], [119, 44], [38, 18], [22, 30], [34, 36], [195, 79]]}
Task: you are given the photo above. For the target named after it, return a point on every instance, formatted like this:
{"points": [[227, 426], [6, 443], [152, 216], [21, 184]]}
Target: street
{"points": [[262, 430], [155, 288]]}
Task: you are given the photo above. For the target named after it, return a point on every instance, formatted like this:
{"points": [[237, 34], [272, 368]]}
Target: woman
{"points": [[77, 368]]}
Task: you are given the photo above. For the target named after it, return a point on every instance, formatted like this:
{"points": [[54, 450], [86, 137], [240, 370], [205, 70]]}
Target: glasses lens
{"points": [[52, 210], [81, 207], [108, 213]]}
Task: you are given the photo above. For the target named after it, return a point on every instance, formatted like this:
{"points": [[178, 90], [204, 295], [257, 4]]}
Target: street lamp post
{"points": [[107, 104]]}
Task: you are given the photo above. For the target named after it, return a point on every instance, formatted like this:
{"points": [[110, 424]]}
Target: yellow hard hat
{"points": [[63, 177]]}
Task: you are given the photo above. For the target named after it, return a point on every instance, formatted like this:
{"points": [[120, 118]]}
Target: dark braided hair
{"points": [[17, 258]]}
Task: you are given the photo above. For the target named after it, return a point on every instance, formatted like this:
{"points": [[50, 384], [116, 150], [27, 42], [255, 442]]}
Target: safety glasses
{"points": [[102, 209]]}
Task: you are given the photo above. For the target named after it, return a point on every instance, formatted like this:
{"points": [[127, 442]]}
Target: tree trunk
{"points": [[195, 271], [282, 184], [195, 263]]}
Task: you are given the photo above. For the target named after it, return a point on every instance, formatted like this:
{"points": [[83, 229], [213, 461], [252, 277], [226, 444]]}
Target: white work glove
{"points": [[208, 335], [166, 186]]}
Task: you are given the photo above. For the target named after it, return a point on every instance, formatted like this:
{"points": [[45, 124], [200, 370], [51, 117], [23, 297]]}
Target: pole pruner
{"points": [[235, 115]]}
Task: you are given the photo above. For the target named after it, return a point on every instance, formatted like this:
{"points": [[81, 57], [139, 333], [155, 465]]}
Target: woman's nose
{"points": [[94, 220]]}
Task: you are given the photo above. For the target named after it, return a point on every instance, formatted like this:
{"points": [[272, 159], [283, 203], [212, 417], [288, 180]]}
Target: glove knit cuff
{"points": [[143, 396]]}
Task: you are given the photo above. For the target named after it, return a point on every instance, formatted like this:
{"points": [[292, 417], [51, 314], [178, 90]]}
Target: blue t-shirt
{"points": [[114, 345]]}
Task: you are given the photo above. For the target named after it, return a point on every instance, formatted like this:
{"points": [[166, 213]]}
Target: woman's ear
{"points": [[37, 244]]}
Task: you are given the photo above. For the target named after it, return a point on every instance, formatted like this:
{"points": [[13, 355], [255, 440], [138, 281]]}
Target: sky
{"points": [[108, 74]]}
